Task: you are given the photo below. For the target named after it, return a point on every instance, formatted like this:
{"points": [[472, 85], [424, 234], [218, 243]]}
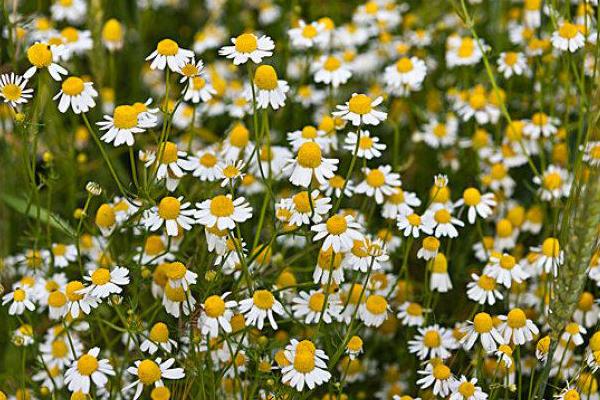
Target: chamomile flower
{"points": [[87, 369], [306, 210], [169, 162], [309, 163], [149, 373], [260, 306], [113, 35], [429, 248], [379, 182], [477, 204], [158, 337], [368, 146], [438, 375], [512, 63], [248, 47], [13, 91], [180, 275], [505, 269], [216, 313], [554, 183], [79, 302], [360, 110], [431, 342], [105, 282], [308, 134], [315, 306], [177, 300], [331, 70], [269, 90], [203, 165], [438, 134], [223, 212], [77, 94], [62, 254], [305, 35], [400, 202], [305, 365], [339, 233], [122, 125], [230, 171], [516, 328], [411, 314], [568, 37], [374, 311], [171, 213], [168, 53], [541, 124], [550, 256], [42, 55], [467, 389], [20, 300], [482, 328], [442, 221], [199, 89], [482, 289], [406, 75], [412, 224], [591, 153]]}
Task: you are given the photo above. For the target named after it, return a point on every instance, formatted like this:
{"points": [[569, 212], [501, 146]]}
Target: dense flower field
{"points": [[261, 199]]}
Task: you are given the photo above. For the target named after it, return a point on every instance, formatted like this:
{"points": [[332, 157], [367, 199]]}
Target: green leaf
{"points": [[19, 204]]}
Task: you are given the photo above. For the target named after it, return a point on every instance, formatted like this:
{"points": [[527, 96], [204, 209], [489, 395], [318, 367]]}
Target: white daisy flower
{"points": [[516, 328], [431, 342], [541, 124], [406, 75], [437, 375], [216, 312], [442, 221], [512, 63], [308, 134], [374, 311], [379, 182], [171, 213], [306, 365], [78, 301], [554, 183], [20, 299], [306, 210], [72, 11], [477, 204], [269, 90], [311, 307], [169, 53], [411, 314], [467, 389], [339, 233], [169, 165], [42, 55], [330, 70], [550, 256], [223, 212], [150, 373], [365, 254], [177, 300], [305, 35], [88, 368], [248, 46], [400, 202], [482, 328], [360, 109], [13, 91], [309, 162], [505, 269], [412, 224], [179, 275], [569, 37], [158, 337], [482, 289], [203, 165], [105, 282], [261, 305], [368, 146], [122, 125]]}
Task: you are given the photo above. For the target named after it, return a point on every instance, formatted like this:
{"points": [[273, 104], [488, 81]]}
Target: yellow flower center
{"points": [[231, 171], [442, 216], [112, 31], [404, 65], [125, 117], [414, 310], [414, 219], [169, 208], [19, 295], [516, 318], [72, 288], [483, 323], [198, 82], [39, 55], [467, 389], [376, 304], [507, 261], [309, 155], [309, 132], [239, 136], [160, 393], [221, 206], [302, 202], [504, 228], [87, 364], [246, 43], [365, 143], [551, 247], [336, 225], [167, 47], [432, 339], [316, 302], [12, 92], [265, 77], [539, 119], [309, 31], [105, 216], [355, 344], [552, 181], [487, 283], [431, 243], [57, 299], [441, 372], [189, 69], [148, 372], [568, 30], [73, 86], [101, 276], [263, 299], [375, 178], [332, 64], [159, 333], [472, 197], [360, 104], [59, 349], [477, 101], [571, 394], [70, 33], [176, 271], [304, 362], [214, 306], [175, 294], [154, 245], [208, 160], [510, 58], [572, 328]]}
